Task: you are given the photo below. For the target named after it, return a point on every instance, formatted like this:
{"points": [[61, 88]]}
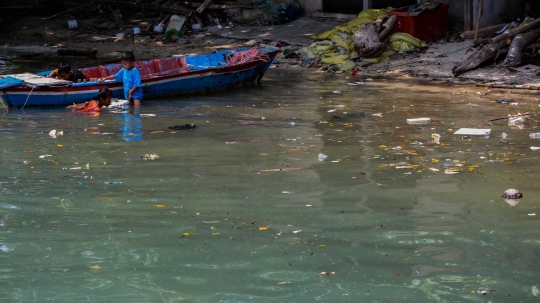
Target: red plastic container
{"points": [[429, 25]]}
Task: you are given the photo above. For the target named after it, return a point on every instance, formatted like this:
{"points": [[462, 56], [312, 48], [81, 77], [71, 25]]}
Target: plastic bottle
{"points": [[113, 182], [534, 135]]}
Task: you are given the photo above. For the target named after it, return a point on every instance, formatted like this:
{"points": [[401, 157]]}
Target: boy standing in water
{"points": [[131, 79]]}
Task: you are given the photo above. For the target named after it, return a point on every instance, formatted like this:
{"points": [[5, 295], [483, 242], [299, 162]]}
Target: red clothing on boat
{"points": [[92, 106]]}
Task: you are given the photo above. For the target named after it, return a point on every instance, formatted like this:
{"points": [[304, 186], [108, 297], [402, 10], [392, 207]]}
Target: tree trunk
{"points": [[367, 42], [511, 33], [478, 57], [516, 48], [483, 31], [387, 27]]}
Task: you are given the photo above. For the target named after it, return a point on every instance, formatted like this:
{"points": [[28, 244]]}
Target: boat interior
{"points": [[163, 66]]}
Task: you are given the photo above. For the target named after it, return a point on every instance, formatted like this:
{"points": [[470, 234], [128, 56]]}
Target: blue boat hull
{"points": [[193, 81]]}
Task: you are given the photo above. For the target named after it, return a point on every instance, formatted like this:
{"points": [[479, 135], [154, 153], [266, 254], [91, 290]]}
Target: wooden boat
{"points": [[160, 77]]}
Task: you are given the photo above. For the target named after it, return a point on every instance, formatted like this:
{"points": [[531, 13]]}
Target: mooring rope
{"points": [[28, 97]]}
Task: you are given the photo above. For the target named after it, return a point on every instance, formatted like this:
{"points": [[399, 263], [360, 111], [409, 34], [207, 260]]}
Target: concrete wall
{"points": [[455, 14], [492, 9], [311, 6]]}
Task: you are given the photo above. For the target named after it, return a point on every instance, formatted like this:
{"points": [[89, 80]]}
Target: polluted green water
{"points": [[310, 188]]}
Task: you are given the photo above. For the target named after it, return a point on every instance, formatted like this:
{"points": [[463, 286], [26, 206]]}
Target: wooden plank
{"points": [[335, 16], [467, 22], [203, 6], [478, 19], [71, 10]]}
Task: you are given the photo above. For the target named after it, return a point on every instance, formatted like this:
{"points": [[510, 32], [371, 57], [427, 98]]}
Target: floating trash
{"points": [[322, 157], [54, 133], [453, 170], [473, 131], [418, 120], [150, 157], [512, 196], [183, 127]]}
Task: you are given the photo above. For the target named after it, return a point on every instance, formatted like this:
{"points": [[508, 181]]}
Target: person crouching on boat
{"points": [[68, 73], [131, 78], [103, 99]]}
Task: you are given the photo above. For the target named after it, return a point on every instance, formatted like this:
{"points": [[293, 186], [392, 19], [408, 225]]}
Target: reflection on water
{"points": [[131, 124], [240, 209]]}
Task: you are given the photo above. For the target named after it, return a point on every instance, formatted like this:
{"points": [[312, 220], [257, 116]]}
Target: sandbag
{"points": [[403, 43], [380, 58], [335, 59]]}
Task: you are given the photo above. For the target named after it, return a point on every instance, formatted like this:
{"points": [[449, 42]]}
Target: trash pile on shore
{"points": [[337, 49]]}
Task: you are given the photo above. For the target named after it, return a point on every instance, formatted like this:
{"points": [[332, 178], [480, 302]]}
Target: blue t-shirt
{"points": [[130, 78]]}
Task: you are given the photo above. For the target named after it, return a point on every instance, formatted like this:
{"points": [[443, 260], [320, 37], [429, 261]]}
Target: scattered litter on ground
{"points": [[322, 157], [337, 92], [147, 115]]}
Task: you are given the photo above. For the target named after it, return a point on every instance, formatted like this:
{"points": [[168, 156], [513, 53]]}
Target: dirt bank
{"points": [[36, 34]]}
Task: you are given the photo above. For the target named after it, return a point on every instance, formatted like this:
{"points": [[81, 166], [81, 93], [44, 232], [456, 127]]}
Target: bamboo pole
{"points": [[478, 19], [203, 6]]}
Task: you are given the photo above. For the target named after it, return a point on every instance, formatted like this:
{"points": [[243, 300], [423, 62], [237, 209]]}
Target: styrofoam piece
{"points": [[418, 120], [119, 103], [473, 131]]}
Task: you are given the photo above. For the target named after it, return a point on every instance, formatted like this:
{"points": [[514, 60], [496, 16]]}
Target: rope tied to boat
{"points": [[28, 97], [241, 57]]}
